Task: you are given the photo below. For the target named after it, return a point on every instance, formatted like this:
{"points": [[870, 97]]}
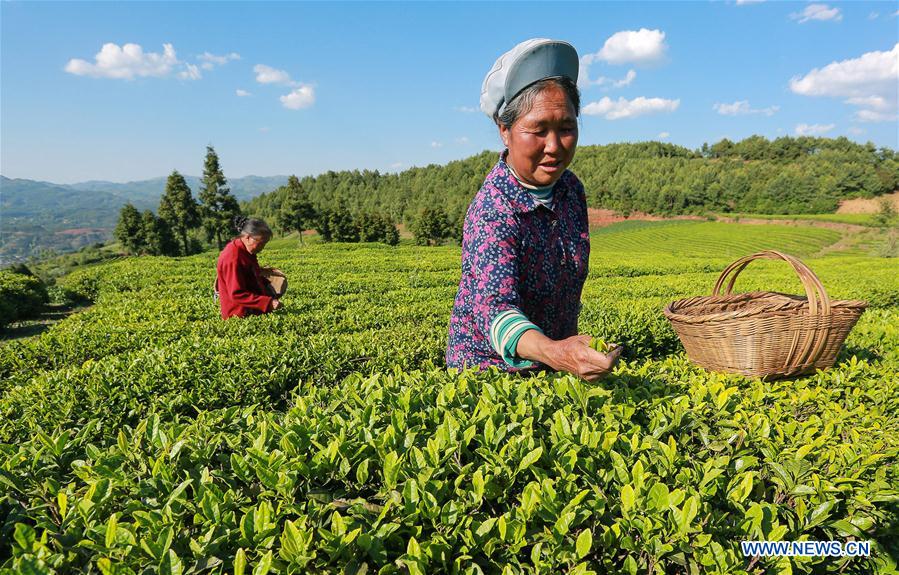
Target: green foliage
{"points": [[377, 227], [147, 435], [886, 214], [297, 212], [218, 206], [785, 176], [431, 227], [179, 210], [130, 230], [21, 296], [158, 237], [337, 225]]}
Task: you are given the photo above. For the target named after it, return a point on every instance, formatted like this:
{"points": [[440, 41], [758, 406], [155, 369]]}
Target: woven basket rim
{"points": [[684, 309]]}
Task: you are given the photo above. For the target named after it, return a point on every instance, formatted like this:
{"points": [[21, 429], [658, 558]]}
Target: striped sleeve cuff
{"points": [[505, 331]]}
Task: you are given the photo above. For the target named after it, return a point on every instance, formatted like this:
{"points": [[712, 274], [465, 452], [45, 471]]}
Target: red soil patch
{"points": [[866, 206]]}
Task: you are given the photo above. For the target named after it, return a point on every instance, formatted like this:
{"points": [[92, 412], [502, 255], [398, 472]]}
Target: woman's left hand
{"points": [[572, 354]]}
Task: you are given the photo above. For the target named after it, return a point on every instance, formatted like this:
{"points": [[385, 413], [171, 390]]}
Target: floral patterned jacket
{"points": [[517, 254]]}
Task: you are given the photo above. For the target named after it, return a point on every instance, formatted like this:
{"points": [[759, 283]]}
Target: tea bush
{"points": [[146, 435], [21, 296]]}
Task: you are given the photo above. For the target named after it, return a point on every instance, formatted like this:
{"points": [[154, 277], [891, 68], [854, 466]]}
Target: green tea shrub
{"points": [[147, 435], [21, 296]]}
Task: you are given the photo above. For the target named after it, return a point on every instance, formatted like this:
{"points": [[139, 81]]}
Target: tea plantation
{"points": [[146, 435]]}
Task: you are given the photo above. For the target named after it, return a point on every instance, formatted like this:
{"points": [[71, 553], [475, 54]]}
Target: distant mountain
{"points": [[36, 217], [243, 188]]}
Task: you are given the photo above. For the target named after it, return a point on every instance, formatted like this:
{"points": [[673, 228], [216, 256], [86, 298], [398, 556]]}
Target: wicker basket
{"points": [[764, 334]]}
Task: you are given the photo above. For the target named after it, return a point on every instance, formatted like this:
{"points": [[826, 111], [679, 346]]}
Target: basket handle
{"points": [[818, 301]]}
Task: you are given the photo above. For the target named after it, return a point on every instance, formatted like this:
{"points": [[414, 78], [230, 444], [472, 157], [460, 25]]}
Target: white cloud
{"points": [[302, 97], [268, 75], [638, 46], [190, 72], [742, 108], [210, 61], [664, 135], [265, 129], [876, 102], [126, 62], [435, 144], [813, 129], [870, 82], [462, 141], [626, 81], [874, 116], [855, 131], [242, 93], [396, 165], [622, 108], [873, 16], [745, 2], [584, 81], [466, 109], [817, 12]]}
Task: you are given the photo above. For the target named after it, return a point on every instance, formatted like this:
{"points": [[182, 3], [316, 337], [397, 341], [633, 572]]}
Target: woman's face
{"points": [[542, 142], [254, 244]]}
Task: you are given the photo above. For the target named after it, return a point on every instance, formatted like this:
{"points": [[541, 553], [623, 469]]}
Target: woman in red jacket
{"points": [[241, 284]]}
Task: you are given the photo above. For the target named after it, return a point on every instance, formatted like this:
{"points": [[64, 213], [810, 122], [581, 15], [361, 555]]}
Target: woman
{"points": [[241, 284], [526, 243]]}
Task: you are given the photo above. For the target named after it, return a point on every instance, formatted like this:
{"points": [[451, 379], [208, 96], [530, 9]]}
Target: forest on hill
{"points": [[756, 175]]}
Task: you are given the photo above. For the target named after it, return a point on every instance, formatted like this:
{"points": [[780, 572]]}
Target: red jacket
{"points": [[242, 289]]}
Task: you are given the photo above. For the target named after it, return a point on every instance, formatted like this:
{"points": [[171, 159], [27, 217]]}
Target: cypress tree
{"points": [[179, 209], [130, 230], [219, 206]]}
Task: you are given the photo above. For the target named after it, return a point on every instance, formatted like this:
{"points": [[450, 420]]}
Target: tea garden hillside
{"points": [[802, 175]]}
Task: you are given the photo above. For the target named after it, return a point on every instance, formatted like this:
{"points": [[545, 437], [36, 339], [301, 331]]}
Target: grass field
{"points": [[146, 435]]}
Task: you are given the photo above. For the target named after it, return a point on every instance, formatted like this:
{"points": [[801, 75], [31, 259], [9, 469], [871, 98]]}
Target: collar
{"points": [[239, 244], [520, 198]]}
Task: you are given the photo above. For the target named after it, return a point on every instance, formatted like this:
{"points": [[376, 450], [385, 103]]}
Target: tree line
{"points": [[181, 221], [788, 175]]}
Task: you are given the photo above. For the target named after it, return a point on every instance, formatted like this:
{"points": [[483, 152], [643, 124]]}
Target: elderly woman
{"points": [[526, 243], [241, 284]]}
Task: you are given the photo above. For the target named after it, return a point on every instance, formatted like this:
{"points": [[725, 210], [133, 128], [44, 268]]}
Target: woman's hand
{"points": [[572, 354], [575, 355], [276, 304]]}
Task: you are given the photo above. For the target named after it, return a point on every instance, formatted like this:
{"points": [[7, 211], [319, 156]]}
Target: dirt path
{"points": [[52, 314]]}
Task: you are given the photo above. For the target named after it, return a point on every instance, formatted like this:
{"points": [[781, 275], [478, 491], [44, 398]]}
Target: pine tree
{"points": [[297, 212], [179, 209], [219, 206], [130, 231]]}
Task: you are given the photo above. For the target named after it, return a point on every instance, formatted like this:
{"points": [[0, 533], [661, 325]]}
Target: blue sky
{"points": [[392, 85]]}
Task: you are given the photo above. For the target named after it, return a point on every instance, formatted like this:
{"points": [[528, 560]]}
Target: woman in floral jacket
{"points": [[526, 243]]}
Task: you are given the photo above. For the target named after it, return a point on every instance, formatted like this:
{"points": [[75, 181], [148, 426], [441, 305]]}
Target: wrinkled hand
{"points": [[575, 355]]}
